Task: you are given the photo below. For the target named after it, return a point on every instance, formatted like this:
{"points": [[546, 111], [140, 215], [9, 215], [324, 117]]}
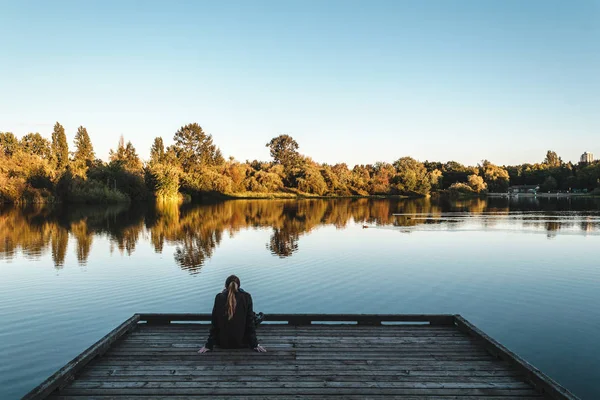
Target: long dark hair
{"points": [[232, 285]]}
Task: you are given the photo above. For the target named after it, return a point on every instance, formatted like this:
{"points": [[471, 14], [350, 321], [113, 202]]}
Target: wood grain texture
{"points": [[354, 357]]}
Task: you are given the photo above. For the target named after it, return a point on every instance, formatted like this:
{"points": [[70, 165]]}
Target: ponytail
{"points": [[231, 302]]}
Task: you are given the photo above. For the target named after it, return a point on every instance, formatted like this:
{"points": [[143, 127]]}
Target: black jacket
{"points": [[237, 332]]}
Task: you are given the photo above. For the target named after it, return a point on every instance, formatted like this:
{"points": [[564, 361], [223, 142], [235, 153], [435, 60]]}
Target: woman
{"points": [[233, 324]]}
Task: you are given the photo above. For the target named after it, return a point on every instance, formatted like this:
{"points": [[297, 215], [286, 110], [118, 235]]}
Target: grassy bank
{"points": [[298, 195]]}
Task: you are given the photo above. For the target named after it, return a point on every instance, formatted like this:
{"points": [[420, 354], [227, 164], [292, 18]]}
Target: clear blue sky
{"points": [[353, 81]]}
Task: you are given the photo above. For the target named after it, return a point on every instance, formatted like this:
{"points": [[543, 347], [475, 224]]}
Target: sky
{"points": [[351, 81]]}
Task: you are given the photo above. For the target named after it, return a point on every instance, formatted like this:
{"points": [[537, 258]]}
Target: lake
{"points": [[525, 270]]}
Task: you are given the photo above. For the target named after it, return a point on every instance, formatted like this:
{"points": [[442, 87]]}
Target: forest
{"points": [[34, 169]]}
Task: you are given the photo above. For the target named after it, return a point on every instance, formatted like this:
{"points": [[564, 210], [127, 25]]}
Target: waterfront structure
{"points": [[523, 189], [309, 356]]}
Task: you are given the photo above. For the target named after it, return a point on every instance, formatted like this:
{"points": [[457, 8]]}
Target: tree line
{"points": [[35, 169]]}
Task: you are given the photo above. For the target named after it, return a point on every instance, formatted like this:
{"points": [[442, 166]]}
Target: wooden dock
{"points": [[152, 356]]}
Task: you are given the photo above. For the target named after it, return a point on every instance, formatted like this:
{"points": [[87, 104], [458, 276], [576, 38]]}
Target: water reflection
{"points": [[196, 231]]}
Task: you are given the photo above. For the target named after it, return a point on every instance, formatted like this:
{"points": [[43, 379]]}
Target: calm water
{"points": [[526, 271]]}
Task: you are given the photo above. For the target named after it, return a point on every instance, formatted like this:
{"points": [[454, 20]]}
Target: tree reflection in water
{"points": [[196, 231]]}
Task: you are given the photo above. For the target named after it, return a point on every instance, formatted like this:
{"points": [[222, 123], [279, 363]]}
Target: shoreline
{"points": [[305, 196], [545, 195]]}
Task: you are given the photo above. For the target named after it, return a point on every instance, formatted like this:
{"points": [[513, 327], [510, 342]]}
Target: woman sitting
{"points": [[233, 322]]}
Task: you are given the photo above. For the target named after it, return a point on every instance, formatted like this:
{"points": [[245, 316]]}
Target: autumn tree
{"points": [[360, 179], [284, 150], [496, 178], [84, 156], [454, 172], [382, 177], [60, 147], [552, 159], [9, 143], [411, 176], [125, 171], [157, 151], [163, 172], [34, 143], [335, 183], [476, 183], [163, 180], [310, 180], [195, 149], [126, 157]]}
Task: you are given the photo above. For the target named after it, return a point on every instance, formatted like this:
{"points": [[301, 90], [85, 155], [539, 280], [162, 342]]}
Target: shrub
{"points": [[460, 187]]}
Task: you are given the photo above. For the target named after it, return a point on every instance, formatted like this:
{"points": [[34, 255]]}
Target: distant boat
{"points": [[365, 226]]}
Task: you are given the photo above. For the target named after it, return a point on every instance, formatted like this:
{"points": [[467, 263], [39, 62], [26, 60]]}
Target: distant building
{"points": [[523, 189], [586, 158]]}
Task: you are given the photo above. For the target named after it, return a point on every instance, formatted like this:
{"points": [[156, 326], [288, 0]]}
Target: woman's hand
{"points": [[260, 349], [203, 350]]}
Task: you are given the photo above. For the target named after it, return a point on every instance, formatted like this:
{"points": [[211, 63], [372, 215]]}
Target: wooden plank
{"points": [[303, 397], [365, 350], [429, 365], [291, 359], [330, 376], [505, 386], [278, 371], [317, 328], [543, 383], [308, 328], [63, 375], [307, 319], [347, 336], [330, 338], [332, 354], [315, 335], [323, 324], [351, 347], [332, 344], [299, 328], [307, 359], [290, 391]]}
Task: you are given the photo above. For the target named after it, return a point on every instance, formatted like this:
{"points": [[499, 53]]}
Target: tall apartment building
{"points": [[586, 158]]}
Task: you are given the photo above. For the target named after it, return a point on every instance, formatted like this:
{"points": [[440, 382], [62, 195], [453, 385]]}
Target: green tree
{"points": [[270, 181], [163, 180], [310, 179], [157, 152], [34, 143], [552, 159], [549, 185], [333, 181], [453, 172], [411, 176], [436, 178], [195, 149], [9, 143], [496, 178], [60, 147], [126, 157], [284, 150], [84, 156], [84, 151], [360, 179]]}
